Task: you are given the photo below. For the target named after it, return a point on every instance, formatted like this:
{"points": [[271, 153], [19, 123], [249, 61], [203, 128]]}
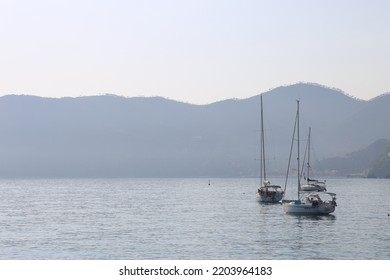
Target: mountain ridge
{"points": [[371, 161], [114, 136]]}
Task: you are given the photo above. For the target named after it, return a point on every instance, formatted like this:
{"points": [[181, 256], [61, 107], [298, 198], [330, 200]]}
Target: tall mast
{"points": [[299, 173], [308, 155], [262, 146]]}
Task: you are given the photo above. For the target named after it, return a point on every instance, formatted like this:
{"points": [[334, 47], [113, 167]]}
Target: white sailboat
{"points": [[312, 185], [267, 192], [307, 202]]}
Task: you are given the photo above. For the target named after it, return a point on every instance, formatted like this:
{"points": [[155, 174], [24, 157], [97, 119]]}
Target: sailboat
{"points": [[307, 202], [311, 185], [267, 192]]}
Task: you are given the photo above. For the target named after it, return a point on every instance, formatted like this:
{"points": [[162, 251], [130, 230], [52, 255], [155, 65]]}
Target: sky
{"points": [[195, 51]]}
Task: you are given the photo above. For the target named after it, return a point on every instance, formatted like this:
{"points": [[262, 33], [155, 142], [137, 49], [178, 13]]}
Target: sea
{"points": [[187, 219]]}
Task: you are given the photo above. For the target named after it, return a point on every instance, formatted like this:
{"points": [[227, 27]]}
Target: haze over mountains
{"points": [[372, 161], [111, 136]]}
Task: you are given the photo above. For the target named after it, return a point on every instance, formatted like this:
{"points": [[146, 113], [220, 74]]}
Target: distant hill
{"points": [[381, 167], [112, 136], [372, 161]]}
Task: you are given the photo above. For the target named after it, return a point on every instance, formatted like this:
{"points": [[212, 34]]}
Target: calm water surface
{"points": [[186, 219]]}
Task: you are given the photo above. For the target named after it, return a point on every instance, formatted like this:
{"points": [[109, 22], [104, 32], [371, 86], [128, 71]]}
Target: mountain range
{"points": [[113, 136]]}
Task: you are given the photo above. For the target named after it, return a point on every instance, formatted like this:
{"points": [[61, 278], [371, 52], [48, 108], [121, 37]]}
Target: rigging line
{"points": [[289, 159]]}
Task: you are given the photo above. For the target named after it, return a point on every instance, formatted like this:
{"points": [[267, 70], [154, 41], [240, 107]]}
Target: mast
{"points": [[308, 156], [291, 151], [299, 173], [262, 146]]}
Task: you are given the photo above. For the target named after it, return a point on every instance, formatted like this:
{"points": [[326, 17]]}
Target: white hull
{"points": [[313, 188], [308, 208]]}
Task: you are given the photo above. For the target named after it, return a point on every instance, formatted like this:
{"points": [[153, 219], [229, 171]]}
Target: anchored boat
{"points": [[308, 202], [267, 192]]}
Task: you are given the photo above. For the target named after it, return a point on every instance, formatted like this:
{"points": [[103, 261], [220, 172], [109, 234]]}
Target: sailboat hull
{"points": [[313, 188], [308, 209]]}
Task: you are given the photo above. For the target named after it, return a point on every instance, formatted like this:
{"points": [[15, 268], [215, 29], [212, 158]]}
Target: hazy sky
{"points": [[196, 51]]}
